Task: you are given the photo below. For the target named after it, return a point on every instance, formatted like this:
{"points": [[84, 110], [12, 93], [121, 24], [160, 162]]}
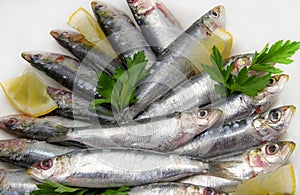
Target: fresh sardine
{"points": [[176, 64], [99, 168], [262, 159], [86, 51], [24, 153], [121, 32], [66, 71], [239, 136], [240, 106], [160, 134], [159, 26]]}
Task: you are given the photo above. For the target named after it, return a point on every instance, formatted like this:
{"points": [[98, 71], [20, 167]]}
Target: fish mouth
{"points": [[26, 56], [56, 33], [288, 147], [34, 173]]}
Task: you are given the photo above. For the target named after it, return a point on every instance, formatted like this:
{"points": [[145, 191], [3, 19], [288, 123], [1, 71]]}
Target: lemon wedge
{"points": [[279, 182], [83, 22], [28, 94], [222, 39]]}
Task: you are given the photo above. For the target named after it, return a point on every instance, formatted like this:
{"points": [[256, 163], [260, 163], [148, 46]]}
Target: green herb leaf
{"points": [[262, 63], [53, 188], [119, 90]]}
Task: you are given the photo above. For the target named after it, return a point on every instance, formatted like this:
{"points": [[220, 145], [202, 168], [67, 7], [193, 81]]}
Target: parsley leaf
{"points": [[52, 188], [227, 83], [119, 90]]}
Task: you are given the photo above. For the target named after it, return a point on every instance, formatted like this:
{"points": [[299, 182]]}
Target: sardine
{"points": [[217, 183], [160, 134], [197, 91], [121, 32], [262, 159], [176, 64], [86, 51], [16, 182], [238, 136], [158, 25], [99, 168], [240, 106], [172, 188], [79, 109], [29, 127], [66, 71], [24, 153]]}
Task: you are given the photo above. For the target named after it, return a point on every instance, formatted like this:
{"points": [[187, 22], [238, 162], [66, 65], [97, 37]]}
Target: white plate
{"points": [[25, 26]]}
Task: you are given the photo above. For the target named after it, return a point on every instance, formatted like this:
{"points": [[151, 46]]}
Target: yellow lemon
{"points": [[83, 22], [28, 94], [222, 39], [279, 182]]}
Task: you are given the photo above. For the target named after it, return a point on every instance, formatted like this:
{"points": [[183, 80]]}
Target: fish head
{"points": [[268, 95], [43, 58], [142, 7], [16, 124], [205, 118], [106, 13], [11, 148], [215, 18], [275, 123], [270, 156], [239, 61], [66, 37], [208, 191], [52, 169]]}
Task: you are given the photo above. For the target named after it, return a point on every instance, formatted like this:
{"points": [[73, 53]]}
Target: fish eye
{"points": [[209, 191], [1, 147], [64, 34], [275, 116], [272, 82], [202, 114], [215, 14], [11, 122], [100, 6], [37, 56], [46, 164], [272, 149]]}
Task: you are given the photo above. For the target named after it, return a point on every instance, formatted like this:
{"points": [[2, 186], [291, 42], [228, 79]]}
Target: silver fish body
{"points": [[240, 106], [24, 153], [86, 51], [75, 107], [238, 136], [176, 64], [123, 35], [99, 168], [214, 182], [164, 134], [197, 91], [172, 189], [158, 25], [16, 182], [262, 159], [66, 71], [30, 127]]}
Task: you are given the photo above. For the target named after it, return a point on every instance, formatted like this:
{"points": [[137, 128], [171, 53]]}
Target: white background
{"points": [[25, 26]]}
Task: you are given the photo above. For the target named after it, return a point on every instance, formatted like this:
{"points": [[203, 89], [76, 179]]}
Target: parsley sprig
{"points": [[53, 188], [263, 61], [119, 90]]}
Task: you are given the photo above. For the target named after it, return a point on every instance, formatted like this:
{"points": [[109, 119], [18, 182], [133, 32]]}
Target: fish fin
{"points": [[224, 169]]}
